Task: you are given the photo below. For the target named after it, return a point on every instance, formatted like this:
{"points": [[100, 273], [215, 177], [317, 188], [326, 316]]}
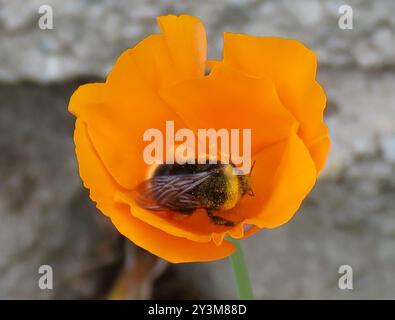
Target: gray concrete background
{"points": [[46, 218]]}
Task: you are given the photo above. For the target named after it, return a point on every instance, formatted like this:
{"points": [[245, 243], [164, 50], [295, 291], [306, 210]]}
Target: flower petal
{"points": [[91, 93], [292, 180], [165, 221], [283, 175], [186, 40], [178, 53], [117, 125], [228, 99], [292, 67], [117, 131], [162, 244], [319, 151], [196, 227], [91, 170]]}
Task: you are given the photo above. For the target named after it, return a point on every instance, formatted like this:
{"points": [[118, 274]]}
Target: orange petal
{"points": [[117, 125], [117, 132], [319, 151], [228, 99], [292, 67], [263, 178], [91, 93], [196, 227], [91, 170], [186, 40], [165, 223], [292, 180], [177, 54], [162, 244]]}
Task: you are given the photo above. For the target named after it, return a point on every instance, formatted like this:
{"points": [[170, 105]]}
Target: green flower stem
{"points": [[242, 277]]}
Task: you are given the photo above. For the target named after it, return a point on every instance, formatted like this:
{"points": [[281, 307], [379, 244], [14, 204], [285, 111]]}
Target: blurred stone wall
{"points": [[46, 218]]}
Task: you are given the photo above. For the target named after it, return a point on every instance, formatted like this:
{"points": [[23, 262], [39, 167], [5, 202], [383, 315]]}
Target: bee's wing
{"points": [[170, 192]]}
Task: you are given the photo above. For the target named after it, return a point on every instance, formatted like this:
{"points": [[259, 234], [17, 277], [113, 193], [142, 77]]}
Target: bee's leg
{"points": [[219, 220]]}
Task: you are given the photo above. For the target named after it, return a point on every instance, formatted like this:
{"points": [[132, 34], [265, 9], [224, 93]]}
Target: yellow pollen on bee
{"points": [[233, 190]]}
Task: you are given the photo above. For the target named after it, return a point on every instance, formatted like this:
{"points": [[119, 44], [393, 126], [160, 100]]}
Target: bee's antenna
{"points": [[250, 191], [252, 167]]}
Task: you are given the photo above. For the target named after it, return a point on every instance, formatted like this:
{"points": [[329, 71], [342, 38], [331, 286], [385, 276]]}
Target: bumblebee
{"points": [[184, 188]]}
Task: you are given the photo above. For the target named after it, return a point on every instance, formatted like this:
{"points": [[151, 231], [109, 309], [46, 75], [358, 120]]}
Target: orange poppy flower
{"points": [[263, 83]]}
